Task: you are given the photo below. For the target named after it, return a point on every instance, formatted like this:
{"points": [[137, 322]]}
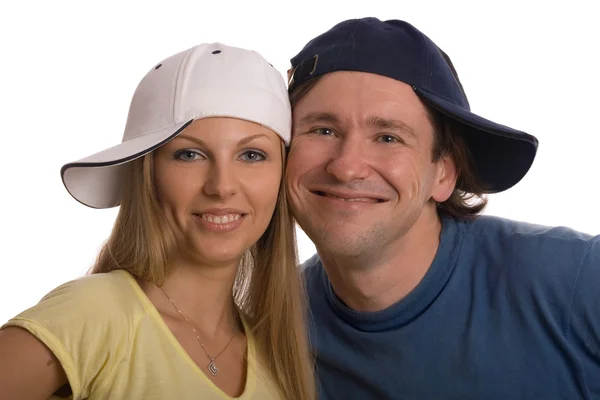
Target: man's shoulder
{"points": [[312, 269], [311, 265], [526, 248], [503, 229]]}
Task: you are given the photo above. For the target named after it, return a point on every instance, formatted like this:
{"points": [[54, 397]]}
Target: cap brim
{"points": [[502, 155], [96, 181]]}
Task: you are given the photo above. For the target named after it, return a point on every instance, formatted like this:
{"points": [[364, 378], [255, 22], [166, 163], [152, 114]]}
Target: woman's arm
{"points": [[28, 369]]}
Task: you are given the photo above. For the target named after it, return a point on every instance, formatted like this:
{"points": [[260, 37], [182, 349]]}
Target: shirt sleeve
{"points": [[584, 326], [76, 321]]}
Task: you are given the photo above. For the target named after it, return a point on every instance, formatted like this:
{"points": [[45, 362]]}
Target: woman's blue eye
{"points": [[253, 156], [187, 155]]}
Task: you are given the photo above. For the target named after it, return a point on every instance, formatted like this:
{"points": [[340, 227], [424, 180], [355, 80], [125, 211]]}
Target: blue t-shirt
{"points": [[507, 310]]}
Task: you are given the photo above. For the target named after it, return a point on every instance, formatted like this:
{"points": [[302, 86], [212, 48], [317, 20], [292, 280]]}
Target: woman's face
{"points": [[217, 184]]}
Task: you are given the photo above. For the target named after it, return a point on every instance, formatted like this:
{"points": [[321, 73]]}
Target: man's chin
{"points": [[344, 244]]}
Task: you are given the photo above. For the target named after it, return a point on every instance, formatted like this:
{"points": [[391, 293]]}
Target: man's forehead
{"points": [[359, 89], [365, 98]]}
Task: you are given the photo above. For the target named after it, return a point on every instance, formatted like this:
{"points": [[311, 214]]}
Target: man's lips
{"points": [[349, 196]]}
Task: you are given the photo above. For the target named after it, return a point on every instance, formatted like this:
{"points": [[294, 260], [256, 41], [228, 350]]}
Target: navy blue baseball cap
{"points": [[398, 50]]}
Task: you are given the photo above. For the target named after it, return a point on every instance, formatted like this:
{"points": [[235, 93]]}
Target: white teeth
{"points": [[224, 219], [347, 199], [363, 199]]}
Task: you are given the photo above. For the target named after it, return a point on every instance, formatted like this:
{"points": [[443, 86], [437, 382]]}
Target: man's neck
{"points": [[375, 281]]}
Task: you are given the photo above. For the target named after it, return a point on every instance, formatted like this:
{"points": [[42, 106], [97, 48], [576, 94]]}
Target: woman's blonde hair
{"points": [[268, 288]]}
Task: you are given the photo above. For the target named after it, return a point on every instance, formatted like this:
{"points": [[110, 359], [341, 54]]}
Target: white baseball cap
{"points": [[208, 80]]}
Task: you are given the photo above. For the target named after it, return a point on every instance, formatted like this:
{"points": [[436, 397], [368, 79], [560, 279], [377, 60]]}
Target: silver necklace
{"points": [[212, 368]]}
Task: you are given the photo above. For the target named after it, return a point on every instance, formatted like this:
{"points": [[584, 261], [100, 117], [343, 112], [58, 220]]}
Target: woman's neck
{"points": [[202, 294]]}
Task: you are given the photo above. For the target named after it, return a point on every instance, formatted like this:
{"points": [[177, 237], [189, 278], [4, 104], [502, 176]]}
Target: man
{"points": [[412, 294]]}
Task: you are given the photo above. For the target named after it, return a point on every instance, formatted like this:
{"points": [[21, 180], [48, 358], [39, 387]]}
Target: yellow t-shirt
{"points": [[113, 344]]}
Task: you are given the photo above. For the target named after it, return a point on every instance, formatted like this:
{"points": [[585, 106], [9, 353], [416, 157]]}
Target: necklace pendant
{"points": [[212, 368]]}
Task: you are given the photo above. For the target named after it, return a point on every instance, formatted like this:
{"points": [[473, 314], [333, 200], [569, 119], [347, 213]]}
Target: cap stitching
{"points": [[182, 66]]}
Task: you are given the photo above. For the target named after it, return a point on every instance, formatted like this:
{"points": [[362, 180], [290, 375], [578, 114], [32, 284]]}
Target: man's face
{"points": [[360, 175]]}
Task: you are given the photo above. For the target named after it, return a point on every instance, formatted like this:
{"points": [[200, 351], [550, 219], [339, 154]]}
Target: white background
{"points": [[68, 70]]}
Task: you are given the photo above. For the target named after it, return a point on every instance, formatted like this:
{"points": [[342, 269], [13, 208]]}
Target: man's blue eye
{"points": [[388, 139], [324, 131]]}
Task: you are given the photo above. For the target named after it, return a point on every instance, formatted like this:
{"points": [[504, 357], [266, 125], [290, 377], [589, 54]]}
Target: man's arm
{"points": [[584, 316]]}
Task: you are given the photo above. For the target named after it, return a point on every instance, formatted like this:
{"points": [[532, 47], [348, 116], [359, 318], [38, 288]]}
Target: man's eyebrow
{"points": [[316, 117], [375, 121], [385, 123]]}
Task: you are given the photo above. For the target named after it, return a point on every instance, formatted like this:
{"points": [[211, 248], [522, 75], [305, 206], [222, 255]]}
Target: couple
{"points": [[197, 293]]}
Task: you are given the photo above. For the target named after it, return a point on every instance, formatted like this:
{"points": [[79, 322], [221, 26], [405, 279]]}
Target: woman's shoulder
{"points": [[84, 321], [96, 287], [96, 297]]}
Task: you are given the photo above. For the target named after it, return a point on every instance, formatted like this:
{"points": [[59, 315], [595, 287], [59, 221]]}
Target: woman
{"points": [[196, 294]]}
